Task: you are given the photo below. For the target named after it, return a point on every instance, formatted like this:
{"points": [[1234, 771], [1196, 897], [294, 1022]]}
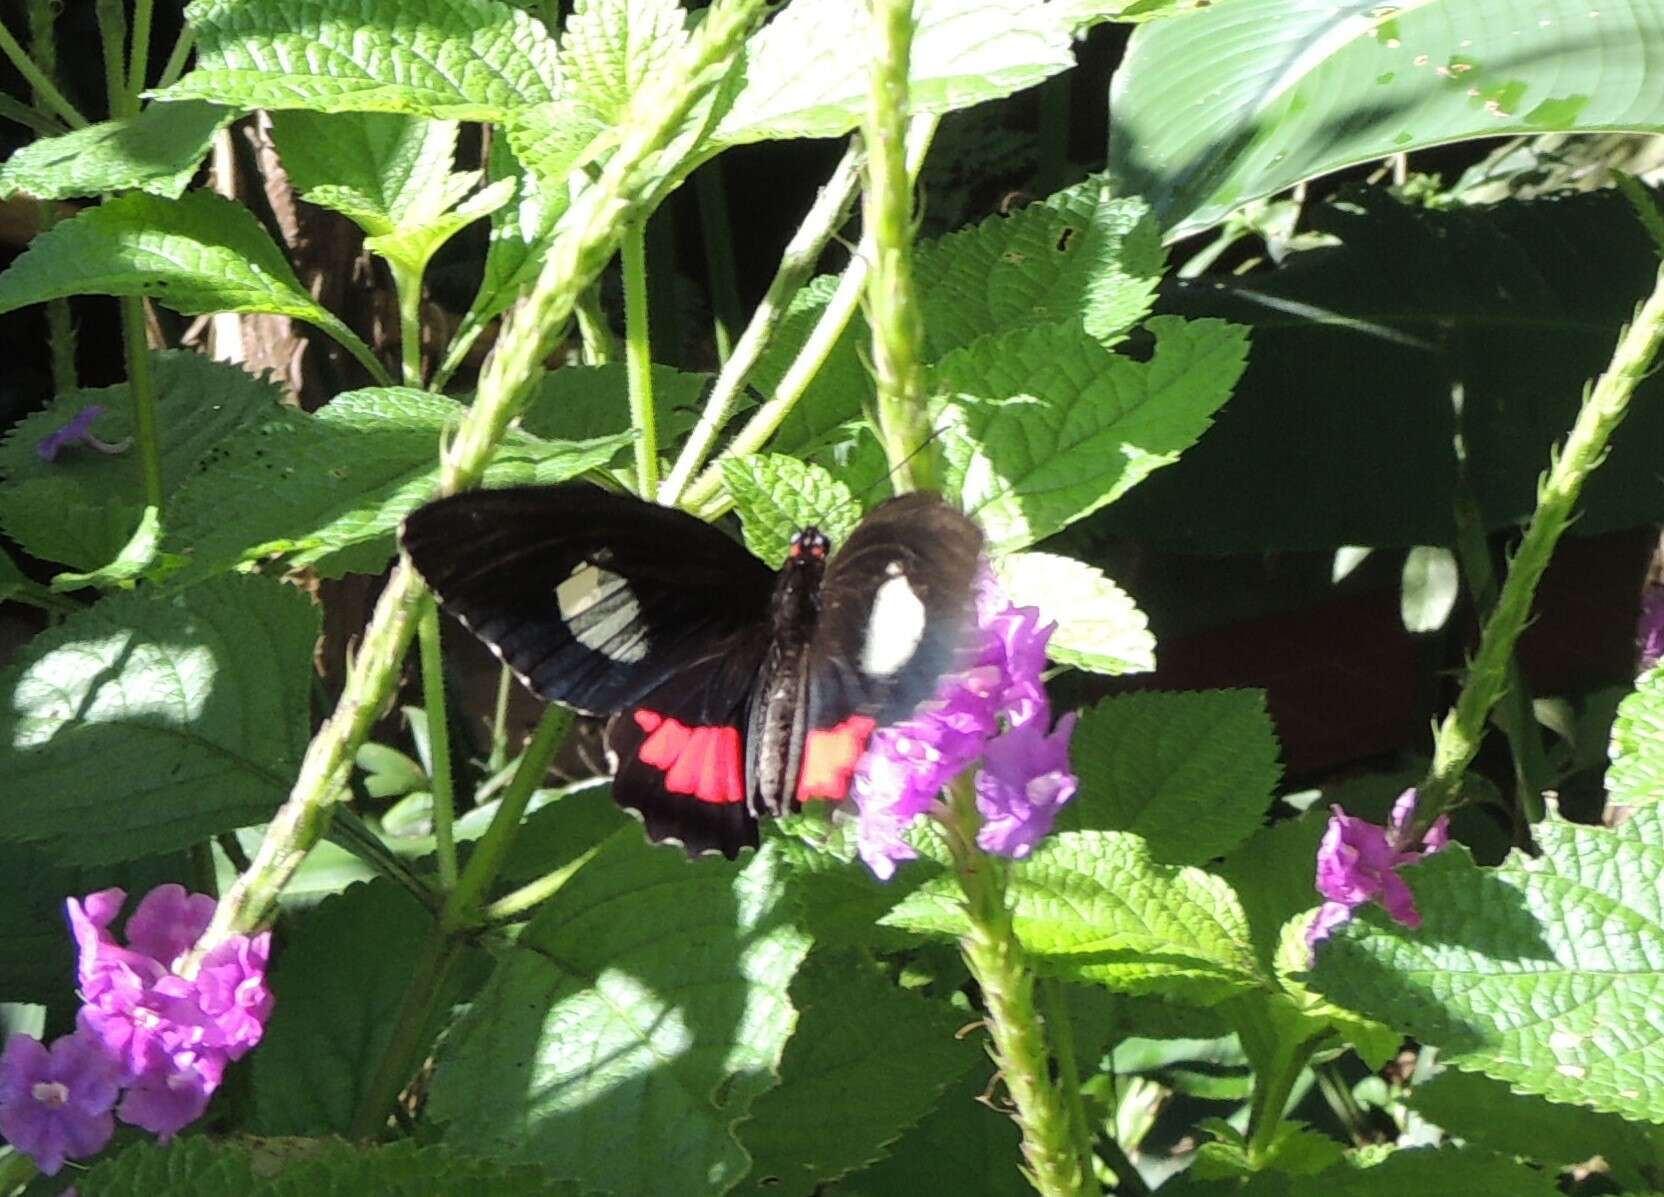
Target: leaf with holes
{"points": [[143, 724], [1046, 426], [1543, 972], [1099, 627], [777, 496], [158, 151], [465, 60], [650, 991]]}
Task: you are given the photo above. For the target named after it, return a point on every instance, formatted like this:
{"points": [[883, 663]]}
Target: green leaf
{"points": [[466, 60], [855, 1025], [158, 151], [1046, 425], [1428, 588], [199, 253], [200, 403], [842, 903], [194, 1166], [1243, 100], [777, 496], [1636, 775], [1099, 627], [136, 556], [310, 486], [142, 724], [342, 974], [1537, 973], [1487, 1114], [806, 70], [581, 402], [1079, 254], [1193, 774], [651, 991], [1425, 1170], [411, 246], [18, 587], [612, 47], [1094, 906], [373, 167], [1294, 1150], [841, 388]]}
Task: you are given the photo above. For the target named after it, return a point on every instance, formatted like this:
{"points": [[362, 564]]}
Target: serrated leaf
{"points": [[1192, 773], [142, 724], [194, 1166], [842, 903], [1487, 1114], [1242, 100], [612, 47], [341, 976], [82, 508], [778, 496], [412, 245], [806, 70], [1099, 627], [1079, 254], [854, 1025], [580, 402], [468, 60], [1539, 972], [1445, 1170], [651, 991], [373, 167], [198, 253], [1094, 906], [311, 486], [130, 564], [158, 151], [1045, 425], [1636, 774]]}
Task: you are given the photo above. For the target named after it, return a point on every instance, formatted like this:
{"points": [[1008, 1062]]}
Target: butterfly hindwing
{"points": [[593, 598]]}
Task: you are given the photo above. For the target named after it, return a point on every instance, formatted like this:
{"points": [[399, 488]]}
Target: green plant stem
{"points": [[1129, 1182], [589, 235], [1278, 1062], [1050, 1142], [829, 211], [439, 741], [534, 893], [638, 357], [1603, 409], [717, 232], [598, 344], [22, 114], [1062, 1030], [146, 436], [706, 494], [352, 833], [892, 305], [408, 284], [408, 1041], [1338, 1094], [60, 328], [112, 30], [499, 722], [37, 79], [177, 58], [138, 65]]}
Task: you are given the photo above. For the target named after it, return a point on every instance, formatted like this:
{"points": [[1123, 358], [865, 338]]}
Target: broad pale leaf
{"points": [[1245, 99], [1636, 775], [1544, 972], [1192, 773], [806, 70], [1099, 627], [199, 253], [374, 167], [612, 47], [142, 724], [200, 404], [310, 486], [1079, 254], [1094, 906], [778, 496], [855, 1025], [156, 151], [651, 991], [470, 60], [1046, 425]]}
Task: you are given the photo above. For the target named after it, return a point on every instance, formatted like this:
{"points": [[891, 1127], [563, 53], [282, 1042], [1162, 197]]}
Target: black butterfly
{"points": [[738, 691]]}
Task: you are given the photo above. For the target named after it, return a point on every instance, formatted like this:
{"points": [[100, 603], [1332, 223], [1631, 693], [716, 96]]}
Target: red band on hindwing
{"points": [[703, 762], [829, 758]]}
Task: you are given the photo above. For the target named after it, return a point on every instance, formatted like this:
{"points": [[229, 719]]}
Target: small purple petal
{"points": [[1397, 900], [1025, 780], [168, 921], [77, 431], [1649, 628], [55, 1103], [1330, 917], [172, 1092]]}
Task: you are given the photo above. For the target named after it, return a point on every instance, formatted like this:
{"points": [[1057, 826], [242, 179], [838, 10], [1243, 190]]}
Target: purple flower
{"points": [[55, 1104], [172, 1089], [995, 710], [1358, 862], [78, 431], [1649, 628]]}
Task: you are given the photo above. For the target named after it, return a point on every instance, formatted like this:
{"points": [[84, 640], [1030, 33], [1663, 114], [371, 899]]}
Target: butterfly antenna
{"points": [[888, 476]]}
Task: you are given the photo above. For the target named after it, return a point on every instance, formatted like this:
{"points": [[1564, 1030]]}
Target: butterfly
{"points": [[736, 691]]}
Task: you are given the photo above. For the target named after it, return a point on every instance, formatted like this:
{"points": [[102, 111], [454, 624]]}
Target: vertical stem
{"points": [[139, 55], [408, 1041], [1272, 1087], [439, 740], [146, 434], [177, 57], [1068, 1068], [1050, 1140], [638, 357], [897, 325], [717, 232], [499, 723], [598, 345], [112, 29], [1602, 411], [60, 329], [408, 284], [32, 74]]}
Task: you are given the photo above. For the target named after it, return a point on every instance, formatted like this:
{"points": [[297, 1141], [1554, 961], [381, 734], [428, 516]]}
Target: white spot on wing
{"points": [[894, 628], [601, 613]]}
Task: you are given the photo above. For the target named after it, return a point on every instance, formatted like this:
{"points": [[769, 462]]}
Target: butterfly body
{"points": [[737, 692]]}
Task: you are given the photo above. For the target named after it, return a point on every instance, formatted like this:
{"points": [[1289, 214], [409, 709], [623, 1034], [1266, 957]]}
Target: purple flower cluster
{"points": [[1358, 862], [995, 710], [1649, 628], [143, 1027]]}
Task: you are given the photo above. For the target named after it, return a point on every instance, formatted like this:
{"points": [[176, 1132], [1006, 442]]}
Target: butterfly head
{"points": [[811, 544]]}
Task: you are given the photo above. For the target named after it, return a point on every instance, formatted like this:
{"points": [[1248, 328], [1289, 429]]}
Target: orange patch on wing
{"points": [[701, 761], [829, 758]]}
